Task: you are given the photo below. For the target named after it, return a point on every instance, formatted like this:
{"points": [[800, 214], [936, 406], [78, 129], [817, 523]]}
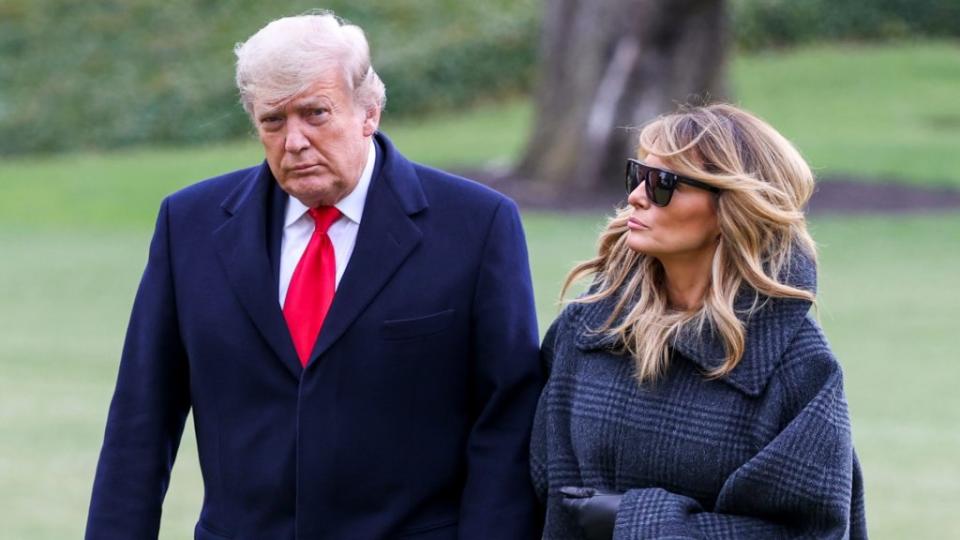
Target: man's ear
{"points": [[371, 121]]}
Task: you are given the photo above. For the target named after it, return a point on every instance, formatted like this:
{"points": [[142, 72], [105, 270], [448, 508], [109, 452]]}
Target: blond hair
{"points": [[765, 184]]}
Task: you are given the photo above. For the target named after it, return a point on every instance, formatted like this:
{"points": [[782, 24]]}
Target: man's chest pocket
{"points": [[417, 327]]}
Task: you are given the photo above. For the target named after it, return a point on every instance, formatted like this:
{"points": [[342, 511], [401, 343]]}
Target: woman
{"points": [[691, 395]]}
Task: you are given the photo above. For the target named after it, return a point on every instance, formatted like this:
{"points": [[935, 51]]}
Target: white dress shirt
{"points": [[298, 227]]}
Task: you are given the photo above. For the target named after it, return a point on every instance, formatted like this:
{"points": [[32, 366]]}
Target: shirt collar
{"points": [[350, 206]]}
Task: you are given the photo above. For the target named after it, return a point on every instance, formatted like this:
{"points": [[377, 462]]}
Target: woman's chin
{"points": [[640, 245]]}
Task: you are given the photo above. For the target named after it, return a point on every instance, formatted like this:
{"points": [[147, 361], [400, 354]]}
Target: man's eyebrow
{"points": [[304, 103], [309, 103], [273, 111]]}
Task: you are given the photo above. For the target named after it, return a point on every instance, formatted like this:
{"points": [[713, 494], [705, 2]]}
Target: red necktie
{"points": [[311, 288]]}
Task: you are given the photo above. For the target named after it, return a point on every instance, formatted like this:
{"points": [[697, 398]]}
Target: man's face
{"points": [[316, 143]]}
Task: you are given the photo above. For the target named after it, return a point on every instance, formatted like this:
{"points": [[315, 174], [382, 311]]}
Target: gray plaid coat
{"points": [[765, 452]]}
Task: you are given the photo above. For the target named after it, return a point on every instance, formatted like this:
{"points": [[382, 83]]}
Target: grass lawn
{"points": [[74, 232], [868, 111]]}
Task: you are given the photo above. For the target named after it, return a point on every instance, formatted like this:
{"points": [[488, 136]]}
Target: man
{"points": [[354, 332]]}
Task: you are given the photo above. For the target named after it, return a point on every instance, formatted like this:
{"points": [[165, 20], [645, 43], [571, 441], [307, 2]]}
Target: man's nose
{"points": [[295, 141]]}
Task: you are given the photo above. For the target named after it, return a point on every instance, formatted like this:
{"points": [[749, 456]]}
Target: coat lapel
{"points": [[242, 249], [386, 237]]}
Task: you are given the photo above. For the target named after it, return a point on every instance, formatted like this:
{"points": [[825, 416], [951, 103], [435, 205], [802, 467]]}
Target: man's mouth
{"points": [[304, 167]]}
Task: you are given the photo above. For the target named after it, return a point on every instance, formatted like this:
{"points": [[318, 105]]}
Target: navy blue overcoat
{"points": [[412, 417]]}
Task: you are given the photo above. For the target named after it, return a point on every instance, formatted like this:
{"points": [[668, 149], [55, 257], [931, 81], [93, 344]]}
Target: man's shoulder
{"points": [[413, 181]]}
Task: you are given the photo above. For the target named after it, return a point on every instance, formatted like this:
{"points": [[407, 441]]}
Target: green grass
{"points": [[493, 134], [890, 308], [74, 232], [888, 111]]}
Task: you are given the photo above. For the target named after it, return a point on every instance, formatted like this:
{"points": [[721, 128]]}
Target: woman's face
{"points": [[684, 229]]}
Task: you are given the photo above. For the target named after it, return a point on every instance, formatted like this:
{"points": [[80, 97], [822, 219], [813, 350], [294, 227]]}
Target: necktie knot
{"points": [[324, 216]]}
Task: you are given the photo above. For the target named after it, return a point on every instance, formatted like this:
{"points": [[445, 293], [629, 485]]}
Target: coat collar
{"points": [[771, 325]]}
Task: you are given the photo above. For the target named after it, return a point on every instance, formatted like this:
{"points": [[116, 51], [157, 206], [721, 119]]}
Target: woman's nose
{"points": [[638, 197]]}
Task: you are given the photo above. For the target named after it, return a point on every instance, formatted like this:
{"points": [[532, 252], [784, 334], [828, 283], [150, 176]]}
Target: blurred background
{"points": [[107, 106]]}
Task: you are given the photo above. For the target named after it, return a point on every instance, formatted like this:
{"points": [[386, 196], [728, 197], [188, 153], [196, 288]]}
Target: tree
{"points": [[607, 65]]}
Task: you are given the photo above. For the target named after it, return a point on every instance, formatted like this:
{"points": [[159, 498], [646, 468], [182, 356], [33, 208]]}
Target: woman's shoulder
{"points": [[809, 371], [809, 345], [576, 330], [564, 325]]}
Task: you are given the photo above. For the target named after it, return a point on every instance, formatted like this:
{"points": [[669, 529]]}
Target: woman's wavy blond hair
{"points": [[765, 184]]}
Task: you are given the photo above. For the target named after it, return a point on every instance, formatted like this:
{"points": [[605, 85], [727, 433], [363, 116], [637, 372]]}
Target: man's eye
{"points": [[316, 113], [271, 122]]}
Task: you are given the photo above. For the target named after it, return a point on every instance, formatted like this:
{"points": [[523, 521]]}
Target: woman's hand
{"points": [[595, 511]]}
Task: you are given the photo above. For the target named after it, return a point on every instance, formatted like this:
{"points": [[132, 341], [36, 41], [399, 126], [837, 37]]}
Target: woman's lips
{"points": [[637, 225]]}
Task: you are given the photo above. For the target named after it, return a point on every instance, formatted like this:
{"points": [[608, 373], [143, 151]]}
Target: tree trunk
{"points": [[608, 66]]}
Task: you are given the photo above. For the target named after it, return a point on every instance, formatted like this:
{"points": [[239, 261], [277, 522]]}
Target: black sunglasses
{"points": [[659, 183]]}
